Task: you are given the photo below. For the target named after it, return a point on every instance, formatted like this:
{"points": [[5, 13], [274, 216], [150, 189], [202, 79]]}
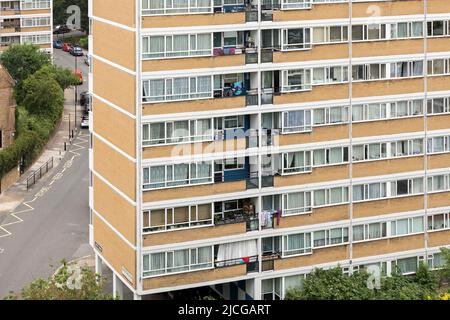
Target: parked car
{"points": [[57, 44], [67, 46], [85, 122], [79, 75], [61, 29], [84, 98], [76, 51], [87, 59]]}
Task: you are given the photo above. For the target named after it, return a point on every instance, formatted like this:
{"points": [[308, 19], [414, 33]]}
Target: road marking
{"points": [[44, 189]]}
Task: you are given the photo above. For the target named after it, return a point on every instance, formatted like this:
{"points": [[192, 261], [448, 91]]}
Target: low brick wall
{"points": [[9, 179]]}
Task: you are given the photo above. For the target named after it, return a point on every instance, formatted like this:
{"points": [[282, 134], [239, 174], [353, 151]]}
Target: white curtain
{"points": [[336, 155], [319, 197], [236, 250], [358, 113], [319, 157], [156, 46], [358, 233], [204, 43]]}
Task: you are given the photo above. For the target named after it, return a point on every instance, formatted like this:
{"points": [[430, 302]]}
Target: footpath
{"points": [[55, 148]]}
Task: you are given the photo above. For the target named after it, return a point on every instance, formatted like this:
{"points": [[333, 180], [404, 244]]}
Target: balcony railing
{"points": [[235, 216], [251, 263], [268, 261]]}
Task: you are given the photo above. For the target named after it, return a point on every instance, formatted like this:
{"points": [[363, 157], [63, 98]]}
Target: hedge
{"points": [[26, 146]]}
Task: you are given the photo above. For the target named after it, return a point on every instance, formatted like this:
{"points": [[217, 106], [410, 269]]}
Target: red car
{"points": [[66, 46], [79, 75]]}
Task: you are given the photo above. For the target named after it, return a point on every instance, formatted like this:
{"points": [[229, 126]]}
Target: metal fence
{"points": [[39, 173]]}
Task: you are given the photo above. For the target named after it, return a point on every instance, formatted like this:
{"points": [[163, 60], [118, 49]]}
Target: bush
{"points": [[26, 146], [84, 43]]}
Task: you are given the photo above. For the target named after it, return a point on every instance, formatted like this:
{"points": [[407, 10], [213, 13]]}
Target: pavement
{"points": [[49, 222]]}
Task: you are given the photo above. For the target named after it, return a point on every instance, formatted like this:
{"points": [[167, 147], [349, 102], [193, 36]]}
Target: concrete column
{"points": [[117, 287], [257, 289], [98, 264], [136, 296]]}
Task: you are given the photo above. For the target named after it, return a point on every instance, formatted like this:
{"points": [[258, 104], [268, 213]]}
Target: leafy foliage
{"points": [[333, 284], [22, 60], [40, 96], [57, 287]]}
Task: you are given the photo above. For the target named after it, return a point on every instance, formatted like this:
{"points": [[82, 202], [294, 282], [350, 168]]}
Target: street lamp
{"points": [[76, 94]]}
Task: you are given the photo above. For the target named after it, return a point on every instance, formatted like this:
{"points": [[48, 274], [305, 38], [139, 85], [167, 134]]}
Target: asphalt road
{"points": [[52, 221], [64, 59]]}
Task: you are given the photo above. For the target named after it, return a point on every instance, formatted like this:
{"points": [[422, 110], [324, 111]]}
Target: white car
{"points": [[87, 59], [84, 122]]}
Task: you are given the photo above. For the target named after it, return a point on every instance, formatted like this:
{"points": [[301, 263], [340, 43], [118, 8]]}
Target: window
{"points": [[158, 7], [371, 191], [402, 30], [437, 28], [438, 67], [175, 218], [297, 202], [406, 69], [176, 46], [271, 289], [330, 237], [406, 226], [369, 231], [177, 89], [295, 162], [297, 244], [438, 183], [177, 261], [332, 196], [406, 187], [406, 148], [438, 144], [438, 105], [373, 71], [372, 151], [296, 80], [294, 39], [406, 265], [439, 221], [330, 115], [368, 32], [330, 34], [330, 75], [176, 132], [172, 175], [336, 155], [296, 121]]}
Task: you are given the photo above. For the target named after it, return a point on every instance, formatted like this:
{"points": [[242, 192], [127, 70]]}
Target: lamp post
{"points": [[76, 94]]}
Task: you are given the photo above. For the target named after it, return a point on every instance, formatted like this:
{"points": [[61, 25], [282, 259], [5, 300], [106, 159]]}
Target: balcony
{"points": [[251, 263]]}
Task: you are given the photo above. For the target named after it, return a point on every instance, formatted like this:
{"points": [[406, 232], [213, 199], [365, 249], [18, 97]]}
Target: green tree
{"points": [[332, 284], [23, 60], [63, 76], [61, 287], [444, 272], [43, 96]]}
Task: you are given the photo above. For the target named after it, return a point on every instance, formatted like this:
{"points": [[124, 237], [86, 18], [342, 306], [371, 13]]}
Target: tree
{"points": [[63, 76], [43, 96], [333, 284], [66, 285], [23, 60], [444, 272]]}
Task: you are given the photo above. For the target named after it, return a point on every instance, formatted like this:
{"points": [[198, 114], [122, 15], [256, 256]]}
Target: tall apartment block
{"points": [[238, 144], [26, 21]]}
